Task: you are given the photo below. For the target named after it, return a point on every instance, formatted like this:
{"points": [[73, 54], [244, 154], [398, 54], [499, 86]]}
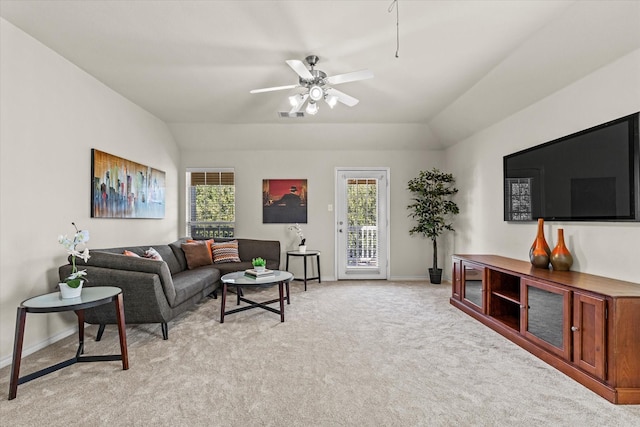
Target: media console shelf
{"points": [[586, 326]]}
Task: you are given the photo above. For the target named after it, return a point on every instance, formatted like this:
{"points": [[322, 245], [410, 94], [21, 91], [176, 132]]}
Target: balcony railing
{"points": [[362, 250], [211, 230]]}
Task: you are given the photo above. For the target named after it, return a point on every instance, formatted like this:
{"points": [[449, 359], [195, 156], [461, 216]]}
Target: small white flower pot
{"points": [[302, 248], [68, 292], [259, 267]]}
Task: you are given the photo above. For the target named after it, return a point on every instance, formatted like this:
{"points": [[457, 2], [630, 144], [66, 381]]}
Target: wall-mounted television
{"points": [[591, 175]]}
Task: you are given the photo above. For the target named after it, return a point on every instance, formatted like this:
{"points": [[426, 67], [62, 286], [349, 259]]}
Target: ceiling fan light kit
{"points": [[312, 108], [317, 87], [316, 93]]}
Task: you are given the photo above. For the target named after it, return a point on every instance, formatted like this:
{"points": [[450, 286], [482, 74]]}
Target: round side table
{"points": [[306, 254]]}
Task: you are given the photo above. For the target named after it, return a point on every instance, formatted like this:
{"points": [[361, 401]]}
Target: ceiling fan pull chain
{"points": [[397, 6]]}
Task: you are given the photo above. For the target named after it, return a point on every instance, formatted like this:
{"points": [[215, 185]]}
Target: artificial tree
{"points": [[432, 207]]}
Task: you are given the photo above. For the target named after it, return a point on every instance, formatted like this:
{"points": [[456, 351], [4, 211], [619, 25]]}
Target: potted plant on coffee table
{"points": [[432, 208], [259, 264]]}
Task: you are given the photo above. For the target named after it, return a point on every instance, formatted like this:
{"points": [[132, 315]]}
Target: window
{"points": [[362, 217], [211, 201]]}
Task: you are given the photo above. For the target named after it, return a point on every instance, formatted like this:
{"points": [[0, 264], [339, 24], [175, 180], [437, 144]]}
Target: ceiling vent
{"points": [[290, 115]]}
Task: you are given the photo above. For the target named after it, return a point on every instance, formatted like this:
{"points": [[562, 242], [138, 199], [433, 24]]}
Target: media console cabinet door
{"points": [[546, 316], [456, 288], [589, 333], [473, 290]]}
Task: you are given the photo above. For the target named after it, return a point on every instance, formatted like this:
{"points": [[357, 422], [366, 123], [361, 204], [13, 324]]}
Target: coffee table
{"points": [[52, 303], [239, 280]]}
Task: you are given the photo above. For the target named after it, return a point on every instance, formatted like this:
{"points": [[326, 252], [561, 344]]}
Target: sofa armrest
{"points": [[118, 262], [143, 295]]}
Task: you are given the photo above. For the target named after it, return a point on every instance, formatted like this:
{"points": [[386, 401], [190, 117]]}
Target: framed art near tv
{"points": [[122, 188], [284, 201]]}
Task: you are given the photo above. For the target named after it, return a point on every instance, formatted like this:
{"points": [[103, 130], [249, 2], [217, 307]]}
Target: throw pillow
{"points": [[209, 244], [129, 253], [225, 252], [197, 254], [152, 254]]}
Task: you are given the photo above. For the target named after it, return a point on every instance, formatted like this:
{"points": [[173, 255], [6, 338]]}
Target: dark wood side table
{"points": [[305, 255], [52, 303]]}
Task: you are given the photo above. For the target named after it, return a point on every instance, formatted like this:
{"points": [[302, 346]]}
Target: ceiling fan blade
{"points": [[300, 69], [343, 97], [349, 77], [271, 89]]}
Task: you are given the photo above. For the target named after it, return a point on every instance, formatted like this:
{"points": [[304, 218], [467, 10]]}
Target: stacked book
{"points": [[255, 274]]}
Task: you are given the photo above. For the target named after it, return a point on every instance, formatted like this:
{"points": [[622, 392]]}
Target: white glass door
{"points": [[361, 223]]}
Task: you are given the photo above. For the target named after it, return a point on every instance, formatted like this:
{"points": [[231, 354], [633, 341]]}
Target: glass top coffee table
{"points": [[239, 280]]}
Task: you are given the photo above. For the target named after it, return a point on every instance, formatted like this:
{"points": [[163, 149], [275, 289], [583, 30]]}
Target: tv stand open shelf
{"points": [[586, 326]]}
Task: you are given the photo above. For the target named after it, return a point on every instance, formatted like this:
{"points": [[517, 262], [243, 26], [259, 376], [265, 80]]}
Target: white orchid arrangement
{"points": [[296, 227], [71, 245]]}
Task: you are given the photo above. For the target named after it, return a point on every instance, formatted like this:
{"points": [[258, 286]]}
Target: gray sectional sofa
{"points": [[157, 291]]}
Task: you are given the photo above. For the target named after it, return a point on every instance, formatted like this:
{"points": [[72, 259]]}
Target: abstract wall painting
{"points": [[121, 188], [284, 201]]}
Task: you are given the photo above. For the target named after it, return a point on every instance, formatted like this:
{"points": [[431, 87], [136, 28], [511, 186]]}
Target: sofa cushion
{"points": [[267, 249], [208, 243], [176, 248], [190, 282], [225, 252], [197, 254], [170, 258], [231, 267], [152, 254]]}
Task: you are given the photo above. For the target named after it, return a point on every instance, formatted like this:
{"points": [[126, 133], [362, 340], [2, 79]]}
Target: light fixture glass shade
{"points": [[312, 108], [331, 100], [295, 100], [316, 93]]}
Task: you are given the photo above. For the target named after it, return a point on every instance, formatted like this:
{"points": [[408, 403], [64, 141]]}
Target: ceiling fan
{"points": [[317, 86]]}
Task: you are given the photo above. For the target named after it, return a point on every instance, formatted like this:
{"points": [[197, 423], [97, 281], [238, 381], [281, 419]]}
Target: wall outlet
{"points": [[330, 208]]}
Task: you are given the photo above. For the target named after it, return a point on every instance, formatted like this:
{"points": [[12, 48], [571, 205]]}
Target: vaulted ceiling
{"points": [[461, 65]]}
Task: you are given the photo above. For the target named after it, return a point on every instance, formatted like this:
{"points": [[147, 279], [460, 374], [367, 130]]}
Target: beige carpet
{"points": [[349, 354]]}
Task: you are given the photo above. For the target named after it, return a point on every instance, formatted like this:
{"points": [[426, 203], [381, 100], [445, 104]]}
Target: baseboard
{"points": [[7, 360], [445, 282]]}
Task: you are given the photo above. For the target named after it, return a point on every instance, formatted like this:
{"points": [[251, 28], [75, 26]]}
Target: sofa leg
{"points": [[165, 330], [213, 294], [100, 331]]}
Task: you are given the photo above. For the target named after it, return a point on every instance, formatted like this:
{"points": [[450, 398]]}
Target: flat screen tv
{"points": [[591, 175]]}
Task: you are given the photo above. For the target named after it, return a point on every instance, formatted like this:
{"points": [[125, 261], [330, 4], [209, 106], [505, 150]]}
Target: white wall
{"points": [[52, 114], [410, 256], [605, 249]]}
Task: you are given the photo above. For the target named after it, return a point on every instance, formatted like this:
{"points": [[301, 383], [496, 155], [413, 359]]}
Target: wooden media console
{"points": [[586, 326]]}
